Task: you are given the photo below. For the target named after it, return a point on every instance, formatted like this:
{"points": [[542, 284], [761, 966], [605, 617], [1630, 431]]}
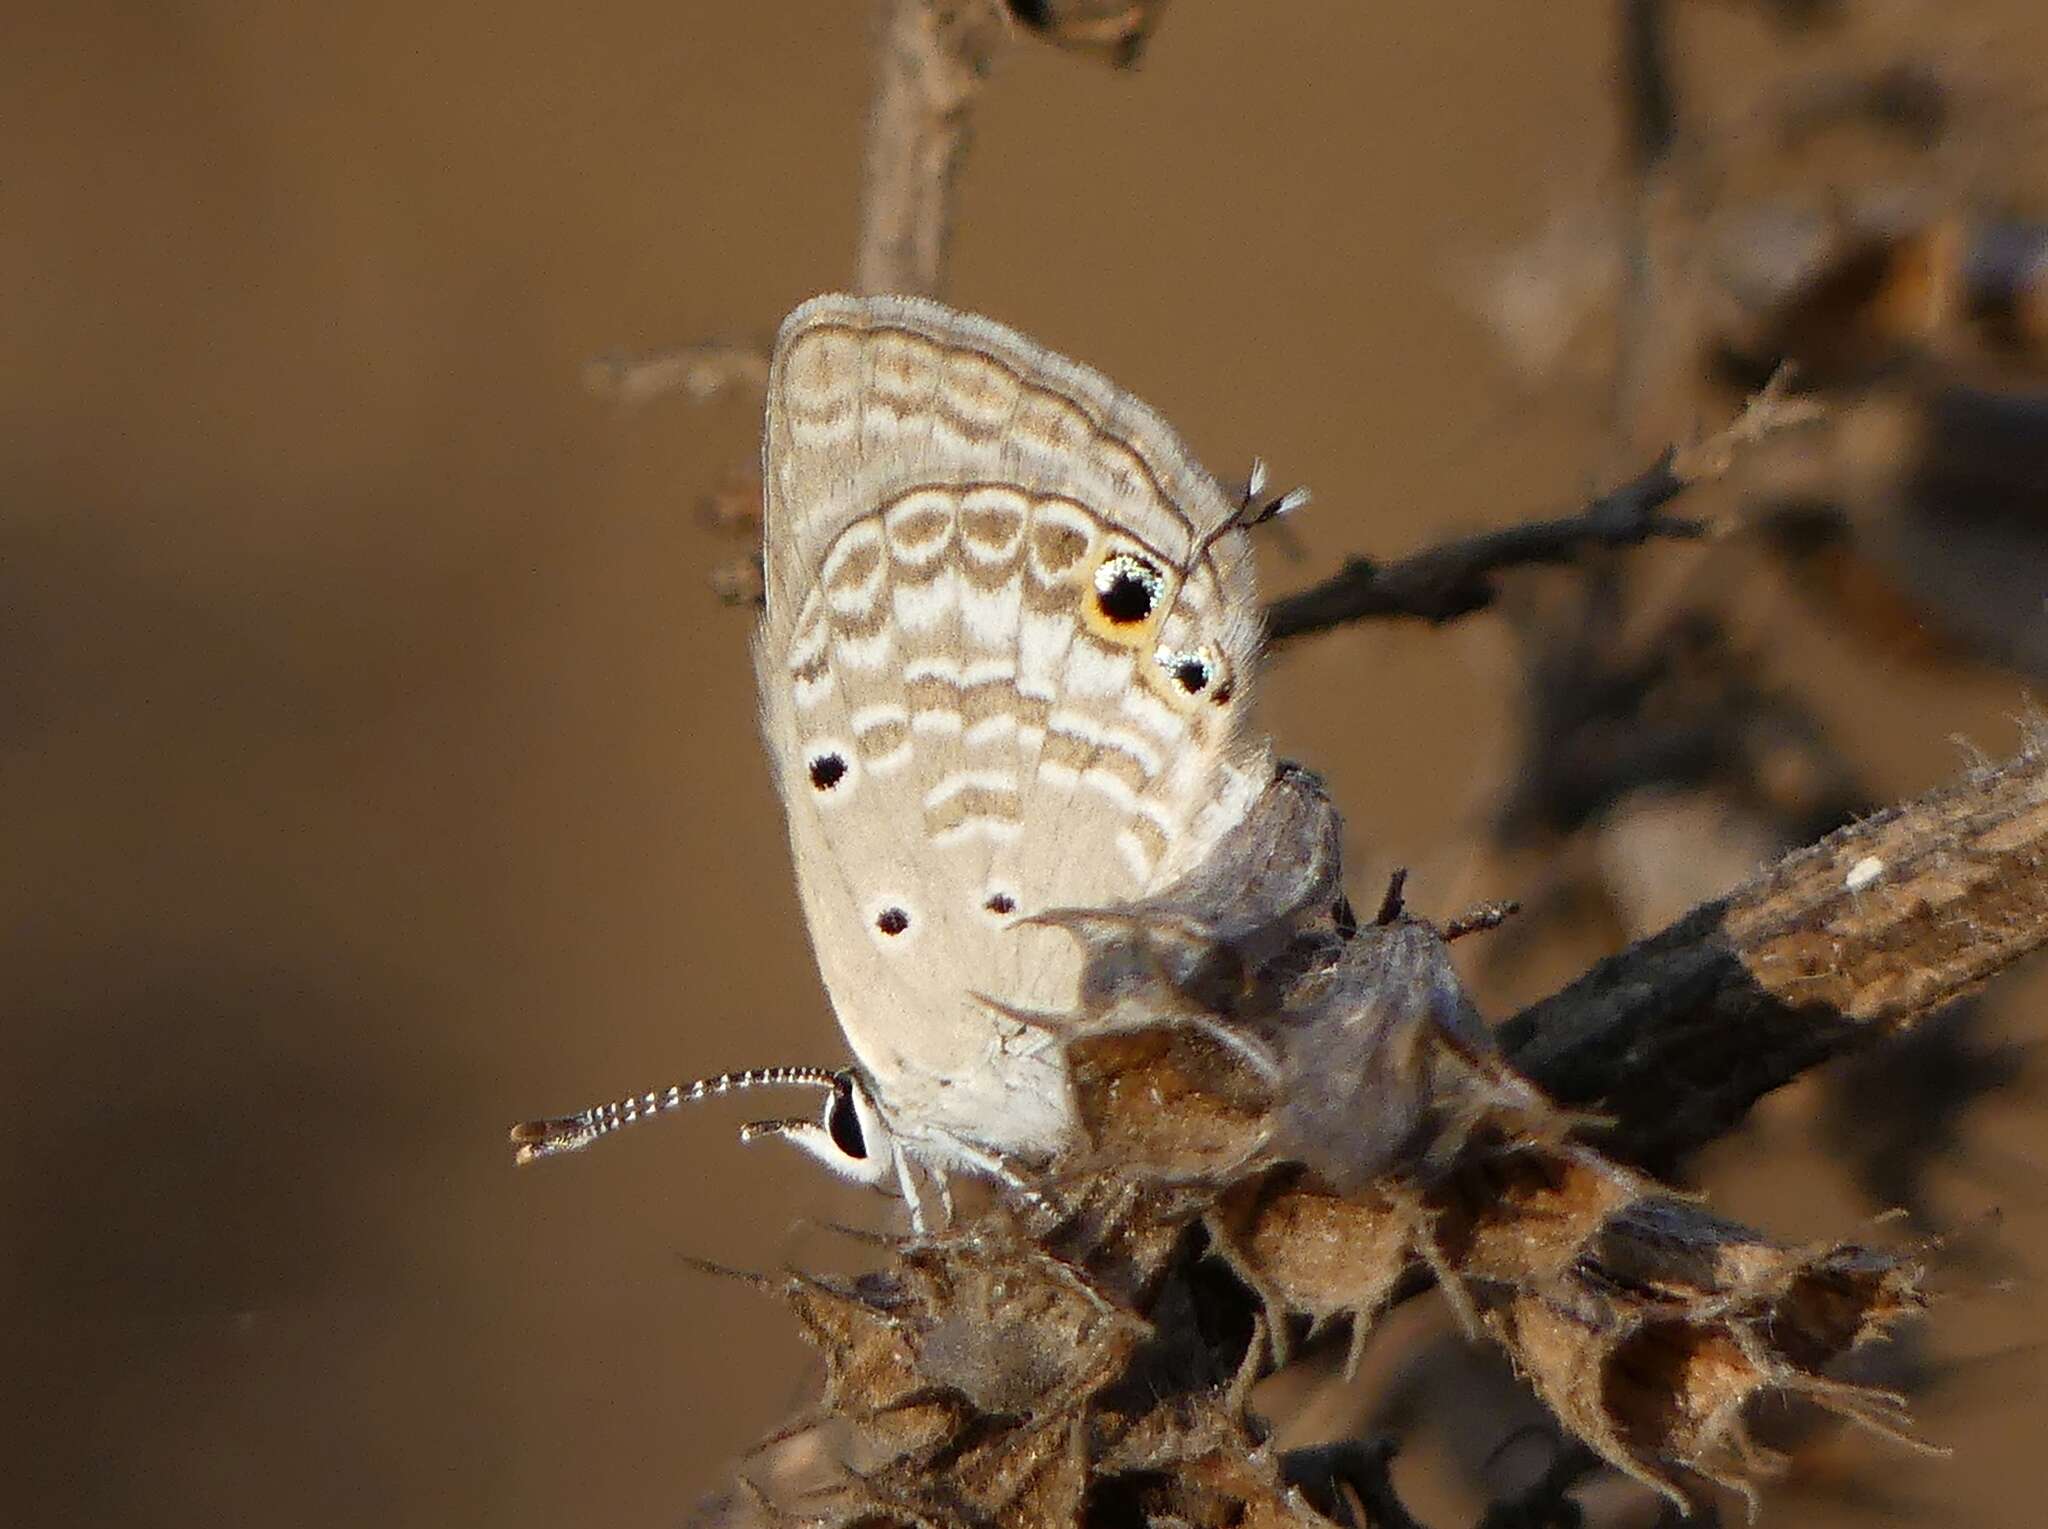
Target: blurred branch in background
{"points": [[1822, 222], [1456, 578], [931, 61], [933, 57], [701, 373]]}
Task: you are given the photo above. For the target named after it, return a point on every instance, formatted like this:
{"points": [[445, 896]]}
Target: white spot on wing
{"points": [[992, 617], [1079, 724], [1075, 724], [891, 762], [861, 536], [1000, 830], [1113, 786], [968, 780], [1153, 714], [1041, 654], [932, 508], [882, 714], [987, 671], [1092, 672], [1161, 819], [920, 607], [864, 653], [990, 730], [807, 644], [1134, 857]]}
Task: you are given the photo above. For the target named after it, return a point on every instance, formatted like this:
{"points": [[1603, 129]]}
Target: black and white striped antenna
{"points": [[533, 1140]]}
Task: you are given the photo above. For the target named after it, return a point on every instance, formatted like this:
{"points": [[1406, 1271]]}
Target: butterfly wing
{"points": [[1008, 639]]}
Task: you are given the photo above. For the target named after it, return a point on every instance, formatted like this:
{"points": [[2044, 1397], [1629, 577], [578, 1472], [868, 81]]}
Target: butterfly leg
{"points": [[906, 1182], [988, 1164], [913, 1174]]}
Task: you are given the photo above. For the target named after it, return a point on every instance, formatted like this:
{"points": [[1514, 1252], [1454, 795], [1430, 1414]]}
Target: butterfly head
{"points": [[850, 1136]]}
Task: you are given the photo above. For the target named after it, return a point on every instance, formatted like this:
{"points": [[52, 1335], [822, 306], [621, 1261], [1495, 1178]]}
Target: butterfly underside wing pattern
{"points": [[1008, 641]]}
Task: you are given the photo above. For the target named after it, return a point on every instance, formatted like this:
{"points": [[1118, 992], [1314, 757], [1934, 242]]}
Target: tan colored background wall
{"points": [[378, 769]]}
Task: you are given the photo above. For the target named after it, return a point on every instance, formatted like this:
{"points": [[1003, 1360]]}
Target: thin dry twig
{"points": [[700, 373], [1456, 578], [1116, 30], [1648, 99], [932, 58]]}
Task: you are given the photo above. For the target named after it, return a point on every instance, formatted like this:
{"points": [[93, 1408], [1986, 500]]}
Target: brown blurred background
{"points": [[379, 768]]}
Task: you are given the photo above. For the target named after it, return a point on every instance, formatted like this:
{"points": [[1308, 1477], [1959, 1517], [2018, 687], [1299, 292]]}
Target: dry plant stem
{"points": [[1455, 579], [1863, 934], [1649, 112], [1116, 30], [700, 372], [931, 59], [1649, 95]]}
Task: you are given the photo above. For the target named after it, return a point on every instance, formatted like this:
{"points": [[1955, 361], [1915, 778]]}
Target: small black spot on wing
{"points": [[1191, 671]]}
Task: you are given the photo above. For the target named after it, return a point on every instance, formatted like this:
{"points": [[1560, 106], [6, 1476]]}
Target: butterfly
{"points": [[1004, 662]]}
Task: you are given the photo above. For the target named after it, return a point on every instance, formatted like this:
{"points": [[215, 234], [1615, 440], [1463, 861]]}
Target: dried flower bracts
{"points": [[1291, 1121]]}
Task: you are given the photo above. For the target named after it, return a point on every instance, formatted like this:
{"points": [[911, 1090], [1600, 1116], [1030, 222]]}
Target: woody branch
{"points": [[1864, 934]]}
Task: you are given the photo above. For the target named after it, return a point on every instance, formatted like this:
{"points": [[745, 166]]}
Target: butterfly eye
{"points": [[843, 1122], [1127, 589], [851, 1138]]}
